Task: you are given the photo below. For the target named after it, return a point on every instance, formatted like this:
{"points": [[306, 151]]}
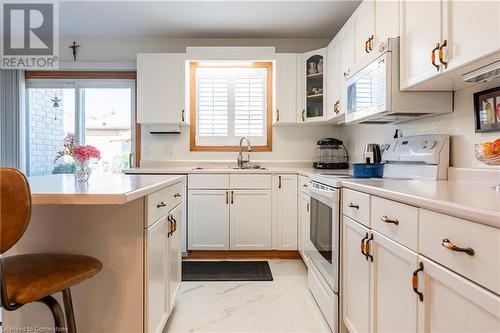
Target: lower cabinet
{"points": [[285, 211], [451, 303], [208, 227], [157, 289], [304, 225], [175, 253], [250, 220]]}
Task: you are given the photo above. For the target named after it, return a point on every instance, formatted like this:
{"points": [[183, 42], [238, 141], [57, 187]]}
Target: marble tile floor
{"points": [[282, 305]]}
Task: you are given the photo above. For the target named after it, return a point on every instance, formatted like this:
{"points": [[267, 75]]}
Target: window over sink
{"points": [[229, 101]]}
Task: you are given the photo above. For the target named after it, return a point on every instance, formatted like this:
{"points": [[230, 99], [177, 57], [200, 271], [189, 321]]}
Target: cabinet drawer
{"points": [[250, 181], [356, 205], [304, 184], [176, 195], [208, 181], [395, 220], [157, 205], [323, 295], [482, 267]]}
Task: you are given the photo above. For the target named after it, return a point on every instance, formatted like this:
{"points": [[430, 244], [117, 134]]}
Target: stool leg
{"points": [[68, 308], [56, 310]]}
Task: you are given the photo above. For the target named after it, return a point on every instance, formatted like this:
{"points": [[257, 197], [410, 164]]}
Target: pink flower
{"points": [[86, 152]]}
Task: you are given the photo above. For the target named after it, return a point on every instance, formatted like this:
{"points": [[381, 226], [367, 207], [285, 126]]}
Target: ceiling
{"points": [[204, 19]]}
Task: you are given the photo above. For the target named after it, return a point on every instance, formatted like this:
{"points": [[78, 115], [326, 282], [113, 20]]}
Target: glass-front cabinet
{"points": [[314, 69]]}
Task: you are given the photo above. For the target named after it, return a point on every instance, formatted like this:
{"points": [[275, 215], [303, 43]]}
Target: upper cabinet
{"points": [[286, 89], [334, 82], [363, 27], [160, 88], [457, 37], [314, 78]]}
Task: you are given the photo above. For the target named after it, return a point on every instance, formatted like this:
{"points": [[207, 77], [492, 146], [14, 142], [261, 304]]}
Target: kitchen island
{"points": [[125, 221]]}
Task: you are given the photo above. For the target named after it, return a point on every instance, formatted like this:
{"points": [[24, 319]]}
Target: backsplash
{"points": [[458, 124]]}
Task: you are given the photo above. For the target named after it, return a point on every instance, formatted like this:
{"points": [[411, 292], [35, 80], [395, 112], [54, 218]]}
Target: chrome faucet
{"points": [[241, 161]]}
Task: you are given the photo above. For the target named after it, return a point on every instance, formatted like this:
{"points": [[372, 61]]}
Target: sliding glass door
{"points": [[94, 112]]}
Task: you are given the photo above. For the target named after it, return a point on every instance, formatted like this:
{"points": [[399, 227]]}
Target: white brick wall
{"points": [[46, 131]]}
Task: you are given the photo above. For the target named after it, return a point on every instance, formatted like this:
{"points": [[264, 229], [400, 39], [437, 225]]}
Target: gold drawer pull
{"points": [[351, 205], [450, 246], [177, 195], [161, 204], [388, 220]]}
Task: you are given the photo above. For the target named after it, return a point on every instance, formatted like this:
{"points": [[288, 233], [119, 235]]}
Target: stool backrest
{"points": [[15, 207]]}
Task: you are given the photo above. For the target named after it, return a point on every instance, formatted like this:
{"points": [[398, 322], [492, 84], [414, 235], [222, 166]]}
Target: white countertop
{"points": [[473, 201], [100, 189]]}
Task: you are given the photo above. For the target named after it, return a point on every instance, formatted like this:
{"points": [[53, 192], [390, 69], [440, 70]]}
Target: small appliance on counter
{"points": [[373, 168], [331, 154], [372, 153]]}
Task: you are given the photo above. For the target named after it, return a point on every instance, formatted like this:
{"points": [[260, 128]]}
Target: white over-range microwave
{"points": [[373, 94]]}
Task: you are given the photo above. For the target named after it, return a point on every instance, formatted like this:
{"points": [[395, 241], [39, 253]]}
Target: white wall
{"points": [[459, 125], [290, 143], [125, 49]]}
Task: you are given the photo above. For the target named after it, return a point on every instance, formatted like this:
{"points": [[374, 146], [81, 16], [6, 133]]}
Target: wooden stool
{"points": [[30, 278]]}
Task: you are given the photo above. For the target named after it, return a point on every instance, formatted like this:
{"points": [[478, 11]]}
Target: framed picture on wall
{"points": [[487, 110]]}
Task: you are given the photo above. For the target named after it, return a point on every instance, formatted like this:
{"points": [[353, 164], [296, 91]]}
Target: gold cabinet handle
{"points": [[450, 246], [351, 205], [336, 107], [169, 233], [433, 57], [232, 197], [303, 115], [307, 206], [366, 46], [183, 115], [441, 53], [161, 204], [304, 185], [363, 246], [385, 219], [174, 223], [227, 197], [279, 181], [414, 281], [370, 43], [177, 195], [367, 248], [277, 115]]}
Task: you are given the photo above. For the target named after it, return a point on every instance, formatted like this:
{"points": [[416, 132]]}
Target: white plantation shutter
{"points": [[230, 103]]}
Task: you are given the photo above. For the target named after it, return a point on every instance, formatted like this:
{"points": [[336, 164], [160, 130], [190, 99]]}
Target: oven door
{"points": [[324, 234]]}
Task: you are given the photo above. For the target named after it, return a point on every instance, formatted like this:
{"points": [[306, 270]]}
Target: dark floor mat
{"points": [[226, 271]]}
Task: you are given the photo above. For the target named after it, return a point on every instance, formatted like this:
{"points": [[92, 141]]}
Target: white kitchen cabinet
{"points": [[453, 304], [160, 88], [346, 38], [386, 21], [286, 89], [355, 277], [157, 270], [390, 278], [471, 30], [285, 203], [334, 79], [418, 39], [250, 220], [314, 82], [304, 225], [175, 253], [208, 220], [363, 29]]}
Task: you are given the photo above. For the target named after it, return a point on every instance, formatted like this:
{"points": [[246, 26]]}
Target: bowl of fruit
{"points": [[488, 152]]}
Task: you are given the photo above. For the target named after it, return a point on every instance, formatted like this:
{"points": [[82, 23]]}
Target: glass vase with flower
{"points": [[82, 156]]}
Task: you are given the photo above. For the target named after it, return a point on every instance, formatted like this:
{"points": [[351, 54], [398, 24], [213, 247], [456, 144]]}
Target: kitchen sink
{"points": [[246, 167]]}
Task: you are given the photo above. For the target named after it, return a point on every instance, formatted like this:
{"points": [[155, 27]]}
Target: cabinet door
{"points": [[250, 226], [175, 255], [314, 65], [286, 88], [356, 278], [454, 304], [391, 273], [157, 270], [285, 199], [208, 216], [304, 227], [334, 79], [346, 38], [363, 28], [386, 21], [418, 40], [472, 30], [160, 88]]}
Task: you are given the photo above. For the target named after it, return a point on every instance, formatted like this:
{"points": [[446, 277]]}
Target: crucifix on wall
{"points": [[74, 47]]}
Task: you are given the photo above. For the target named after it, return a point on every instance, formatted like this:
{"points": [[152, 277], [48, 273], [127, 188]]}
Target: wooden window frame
{"points": [[105, 75], [269, 97]]}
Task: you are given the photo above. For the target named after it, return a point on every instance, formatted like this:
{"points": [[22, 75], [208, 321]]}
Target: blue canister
{"points": [[368, 170]]}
